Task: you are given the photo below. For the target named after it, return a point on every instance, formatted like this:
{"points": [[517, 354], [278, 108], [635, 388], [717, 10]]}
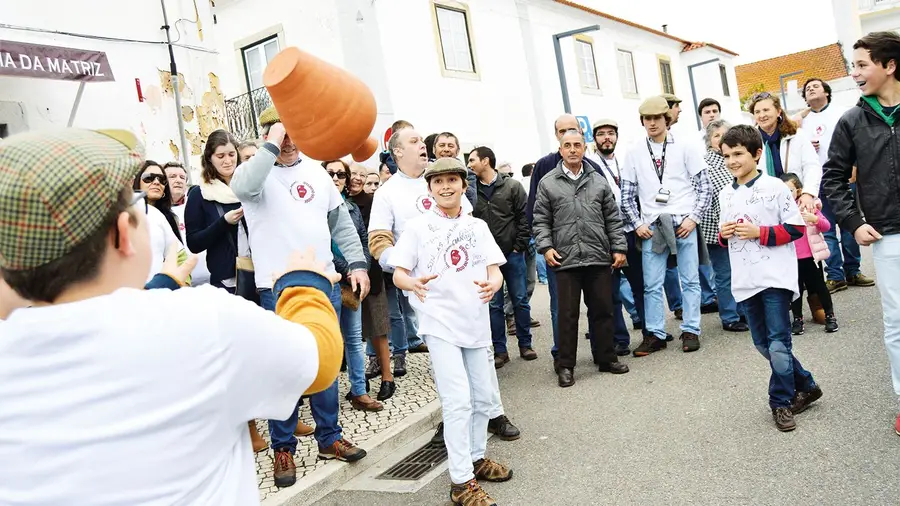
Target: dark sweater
{"points": [[208, 231]]}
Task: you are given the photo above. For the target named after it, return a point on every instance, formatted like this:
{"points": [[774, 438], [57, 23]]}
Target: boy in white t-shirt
{"points": [[451, 263], [759, 221]]}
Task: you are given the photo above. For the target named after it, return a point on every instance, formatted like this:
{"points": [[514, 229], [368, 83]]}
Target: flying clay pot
{"points": [[327, 112]]}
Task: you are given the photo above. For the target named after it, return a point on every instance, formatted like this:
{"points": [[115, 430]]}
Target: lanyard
{"points": [[608, 169], [659, 164]]}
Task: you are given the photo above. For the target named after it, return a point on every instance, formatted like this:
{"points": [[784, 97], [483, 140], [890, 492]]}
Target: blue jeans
{"points": [[707, 285], [673, 289], [654, 276], [404, 329], [541, 266], [721, 263], [768, 315], [838, 268], [627, 299], [514, 273], [351, 328], [324, 405], [554, 307]]}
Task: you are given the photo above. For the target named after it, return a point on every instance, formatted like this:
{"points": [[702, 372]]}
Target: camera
{"points": [[662, 197]]}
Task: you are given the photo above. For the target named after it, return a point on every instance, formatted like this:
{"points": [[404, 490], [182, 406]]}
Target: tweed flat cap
{"points": [[56, 189], [269, 116], [446, 166]]}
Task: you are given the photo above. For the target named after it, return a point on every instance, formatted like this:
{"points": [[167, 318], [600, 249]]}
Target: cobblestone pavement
{"points": [[414, 391]]}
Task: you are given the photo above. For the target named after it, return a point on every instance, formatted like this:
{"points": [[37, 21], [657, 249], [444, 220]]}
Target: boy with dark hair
{"points": [[759, 221], [866, 137]]}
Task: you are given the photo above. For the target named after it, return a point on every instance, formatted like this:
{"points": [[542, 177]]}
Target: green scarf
{"points": [[879, 109]]}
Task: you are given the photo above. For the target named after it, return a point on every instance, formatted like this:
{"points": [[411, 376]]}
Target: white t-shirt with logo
{"points": [[766, 202], [459, 251], [200, 274], [161, 238], [291, 215], [102, 396], [820, 127]]}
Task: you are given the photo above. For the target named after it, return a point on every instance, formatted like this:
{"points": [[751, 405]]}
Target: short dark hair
{"points": [[429, 145], [790, 177], [882, 47], [743, 135], [217, 138], [667, 116], [80, 264], [447, 134], [346, 171], [527, 169], [706, 102], [486, 152], [825, 86], [401, 124]]}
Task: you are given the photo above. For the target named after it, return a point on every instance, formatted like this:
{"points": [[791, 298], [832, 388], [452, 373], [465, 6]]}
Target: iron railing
{"points": [[242, 113]]}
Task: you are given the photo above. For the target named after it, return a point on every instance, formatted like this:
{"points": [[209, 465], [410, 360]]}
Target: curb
{"points": [[332, 476]]}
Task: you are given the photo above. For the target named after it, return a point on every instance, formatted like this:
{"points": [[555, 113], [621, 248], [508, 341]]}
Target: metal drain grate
{"points": [[417, 464]]}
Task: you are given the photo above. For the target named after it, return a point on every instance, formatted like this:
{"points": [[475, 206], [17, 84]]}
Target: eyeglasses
{"points": [[149, 177], [340, 173], [139, 202]]}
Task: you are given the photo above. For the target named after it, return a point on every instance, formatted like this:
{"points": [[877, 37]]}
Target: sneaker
{"points": [[342, 450], [860, 280], [438, 437], [784, 419], [500, 359], [285, 469], [831, 324], [648, 346], [797, 328], [637, 324], [689, 342], [399, 366], [470, 494], [737, 326], [373, 368], [802, 400], [502, 428], [835, 286], [488, 470], [422, 348]]}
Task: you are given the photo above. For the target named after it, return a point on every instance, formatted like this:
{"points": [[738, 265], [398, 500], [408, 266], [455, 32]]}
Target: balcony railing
{"points": [[869, 5], [242, 113]]}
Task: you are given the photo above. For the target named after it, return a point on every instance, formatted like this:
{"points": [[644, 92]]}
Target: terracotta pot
{"points": [[327, 112], [815, 307]]}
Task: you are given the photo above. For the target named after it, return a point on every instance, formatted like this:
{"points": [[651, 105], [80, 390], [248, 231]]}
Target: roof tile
{"points": [[825, 62]]}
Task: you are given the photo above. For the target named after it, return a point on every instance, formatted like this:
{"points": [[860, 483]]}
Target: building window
{"points": [[665, 75], [587, 66], [455, 40], [256, 57], [626, 72], [723, 73]]}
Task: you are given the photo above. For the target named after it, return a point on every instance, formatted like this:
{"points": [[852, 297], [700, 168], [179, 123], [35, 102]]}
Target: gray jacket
{"points": [[578, 218]]}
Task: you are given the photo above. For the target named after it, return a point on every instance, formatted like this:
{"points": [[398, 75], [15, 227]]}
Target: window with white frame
{"points": [[723, 73], [626, 71], [665, 75], [456, 44], [256, 57], [587, 66]]}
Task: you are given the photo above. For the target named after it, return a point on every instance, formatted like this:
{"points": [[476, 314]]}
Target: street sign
{"points": [[585, 125]]}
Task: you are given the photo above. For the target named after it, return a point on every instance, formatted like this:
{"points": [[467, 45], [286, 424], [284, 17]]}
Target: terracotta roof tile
{"points": [[823, 62]]}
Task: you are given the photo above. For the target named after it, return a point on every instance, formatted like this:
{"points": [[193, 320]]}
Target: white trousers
{"points": [[496, 403], [463, 380], [886, 254]]}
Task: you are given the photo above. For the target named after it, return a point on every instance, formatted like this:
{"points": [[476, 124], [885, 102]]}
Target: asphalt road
{"points": [[696, 428]]}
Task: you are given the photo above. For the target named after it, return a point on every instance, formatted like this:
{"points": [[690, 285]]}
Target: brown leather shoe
{"points": [[500, 359], [361, 405], [259, 444], [488, 470], [304, 430], [470, 494], [689, 342], [342, 450], [285, 469], [528, 353]]}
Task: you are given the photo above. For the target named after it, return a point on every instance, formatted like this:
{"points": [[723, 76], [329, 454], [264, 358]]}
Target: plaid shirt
{"points": [[702, 197], [719, 177]]}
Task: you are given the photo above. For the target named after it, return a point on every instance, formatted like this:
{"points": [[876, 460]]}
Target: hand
{"points": [[809, 217], [277, 134], [552, 258], [618, 260], [866, 235], [807, 202], [852, 176], [170, 266], [747, 231], [815, 144], [360, 278], [232, 217], [727, 229], [486, 290], [687, 226], [644, 232], [306, 261], [419, 288]]}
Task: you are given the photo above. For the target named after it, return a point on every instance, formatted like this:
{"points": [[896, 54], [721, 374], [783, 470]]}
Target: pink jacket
{"points": [[812, 244]]}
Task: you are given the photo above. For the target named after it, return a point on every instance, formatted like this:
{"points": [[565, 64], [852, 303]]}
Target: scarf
{"points": [[218, 191], [773, 151]]}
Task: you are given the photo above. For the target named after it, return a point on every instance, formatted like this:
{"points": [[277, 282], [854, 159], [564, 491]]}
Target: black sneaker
{"points": [[399, 366], [797, 327], [438, 437], [648, 346], [503, 428], [784, 419], [803, 399], [831, 324]]}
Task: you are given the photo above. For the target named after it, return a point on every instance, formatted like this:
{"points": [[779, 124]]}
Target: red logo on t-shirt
{"points": [[424, 203], [820, 130], [303, 191], [457, 258]]}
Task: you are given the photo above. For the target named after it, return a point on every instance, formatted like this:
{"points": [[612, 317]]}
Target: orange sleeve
{"points": [[380, 240], [311, 308]]}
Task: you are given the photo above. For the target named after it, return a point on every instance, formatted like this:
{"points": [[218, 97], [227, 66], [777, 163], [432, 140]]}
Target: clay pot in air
{"points": [[327, 112]]}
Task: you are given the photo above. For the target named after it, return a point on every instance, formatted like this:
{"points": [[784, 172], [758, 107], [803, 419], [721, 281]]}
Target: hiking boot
{"points": [[679, 314], [342, 450], [528, 353], [510, 326], [399, 366], [285, 469], [438, 437], [534, 323], [835, 286], [488, 470], [500, 359], [802, 400], [797, 327], [373, 368], [860, 280], [784, 419], [422, 348], [502, 428], [648, 346], [303, 429], [831, 324], [386, 391], [689, 342], [470, 494]]}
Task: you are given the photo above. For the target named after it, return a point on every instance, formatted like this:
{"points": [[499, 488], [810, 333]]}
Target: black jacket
{"points": [[340, 263], [206, 230], [864, 138], [504, 214]]}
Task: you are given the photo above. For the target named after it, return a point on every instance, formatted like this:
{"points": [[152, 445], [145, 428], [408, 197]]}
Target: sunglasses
{"points": [[149, 177], [340, 173], [139, 202]]}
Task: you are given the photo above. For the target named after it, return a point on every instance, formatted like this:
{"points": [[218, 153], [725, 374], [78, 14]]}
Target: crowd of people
{"points": [[296, 264]]}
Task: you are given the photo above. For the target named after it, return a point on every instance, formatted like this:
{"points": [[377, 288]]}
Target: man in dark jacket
{"points": [[578, 230], [866, 136], [501, 204]]}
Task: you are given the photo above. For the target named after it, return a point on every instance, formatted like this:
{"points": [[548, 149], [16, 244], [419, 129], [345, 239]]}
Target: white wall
{"points": [[883, 20]]}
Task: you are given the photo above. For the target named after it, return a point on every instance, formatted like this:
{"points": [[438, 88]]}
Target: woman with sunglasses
{"points": [[153, 184], [352, 319]]}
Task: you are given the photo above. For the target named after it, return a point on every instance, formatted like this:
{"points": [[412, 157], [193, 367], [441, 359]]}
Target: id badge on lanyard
{"points": [[659, 165]]}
